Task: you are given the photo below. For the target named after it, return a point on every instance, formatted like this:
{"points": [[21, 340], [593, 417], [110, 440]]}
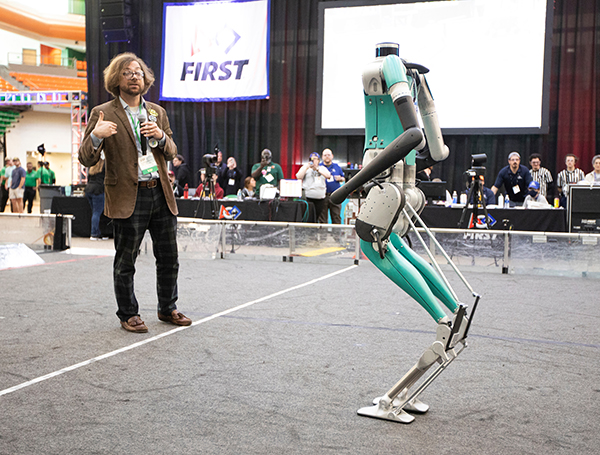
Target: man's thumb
{"points": [[101, 116]]}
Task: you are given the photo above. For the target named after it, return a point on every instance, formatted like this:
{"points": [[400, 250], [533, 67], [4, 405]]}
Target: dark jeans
{"points": [[97, 204], [3, 197], [28, 197], [320, 207], [151, 213], [334, 210]]}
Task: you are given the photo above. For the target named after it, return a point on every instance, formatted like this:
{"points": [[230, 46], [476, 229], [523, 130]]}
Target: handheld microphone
{"points": [[142, 118]]}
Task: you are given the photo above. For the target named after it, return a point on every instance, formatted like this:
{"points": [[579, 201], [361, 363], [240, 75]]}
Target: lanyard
{"points": [[136, 126]]}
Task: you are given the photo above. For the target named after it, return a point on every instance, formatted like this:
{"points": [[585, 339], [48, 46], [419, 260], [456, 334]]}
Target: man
{"points": [[333, 183], [232, 178], [266, 172], [540, 174], [17, 186], [221, 169], [515, 177], [182, 172], [594, 176], [4, 175], [534, 199], [46, 176], [31, 177], [138, 195], [488, 195], [567, 177]]}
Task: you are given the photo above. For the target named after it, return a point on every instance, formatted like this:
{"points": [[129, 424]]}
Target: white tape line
{"points": [[170, 332]]}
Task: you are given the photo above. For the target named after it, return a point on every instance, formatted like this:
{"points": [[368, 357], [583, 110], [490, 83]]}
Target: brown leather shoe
{"points": [[176, 318], [134, 324]]}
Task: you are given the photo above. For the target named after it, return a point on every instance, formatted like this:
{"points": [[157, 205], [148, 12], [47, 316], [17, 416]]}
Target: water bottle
{"points": [[454, 197], [185, 191], [501, 200], [239, 195], [507, 202]]}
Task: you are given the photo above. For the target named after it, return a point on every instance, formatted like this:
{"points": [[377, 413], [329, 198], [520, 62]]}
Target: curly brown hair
{"points": [[112, 73]]}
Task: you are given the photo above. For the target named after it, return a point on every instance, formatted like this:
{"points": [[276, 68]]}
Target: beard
{"points": [[131, 91]]}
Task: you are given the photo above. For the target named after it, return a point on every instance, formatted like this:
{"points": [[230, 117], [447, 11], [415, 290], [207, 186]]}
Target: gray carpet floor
{"points": [[286, 373]]}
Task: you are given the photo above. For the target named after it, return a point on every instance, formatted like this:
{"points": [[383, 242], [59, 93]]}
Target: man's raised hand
{"points": [[104, 128]]}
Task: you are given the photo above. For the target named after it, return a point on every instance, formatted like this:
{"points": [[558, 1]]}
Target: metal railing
{"points": [[18, 58]]}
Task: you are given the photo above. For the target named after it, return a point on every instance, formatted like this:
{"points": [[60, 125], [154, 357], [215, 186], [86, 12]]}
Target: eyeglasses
{"points": [[131, 74]]}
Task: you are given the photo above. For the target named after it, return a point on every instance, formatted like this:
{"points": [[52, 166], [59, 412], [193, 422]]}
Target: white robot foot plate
{"points": [[393, 414], [415, 405]]}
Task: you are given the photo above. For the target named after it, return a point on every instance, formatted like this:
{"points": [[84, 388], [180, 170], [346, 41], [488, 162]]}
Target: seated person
{"points": [[488, 195], [249, 185], [594, 176], [203, 191], [231, 179], [425, 174], [534, 200], [177, 189]]}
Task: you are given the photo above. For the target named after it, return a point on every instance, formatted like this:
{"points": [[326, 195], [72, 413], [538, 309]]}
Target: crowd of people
{"points": [[320, 177], [534, 187], [19, 185]]}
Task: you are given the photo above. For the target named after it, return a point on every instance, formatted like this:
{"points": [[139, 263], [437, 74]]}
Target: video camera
{"points": [[477, 165], [210, 160]]}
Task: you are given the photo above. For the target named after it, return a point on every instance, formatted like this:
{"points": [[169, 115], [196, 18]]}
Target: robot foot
{"points": [[378, 411], [415, 405]]}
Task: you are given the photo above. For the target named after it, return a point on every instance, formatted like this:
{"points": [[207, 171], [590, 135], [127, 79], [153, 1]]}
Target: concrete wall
{"points": [[53, 129]]}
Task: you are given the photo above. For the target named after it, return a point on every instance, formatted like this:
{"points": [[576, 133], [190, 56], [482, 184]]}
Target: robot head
{"points": [[383, 49]]}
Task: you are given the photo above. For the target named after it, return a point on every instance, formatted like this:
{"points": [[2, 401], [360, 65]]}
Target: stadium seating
{"points": [[46, 82]]}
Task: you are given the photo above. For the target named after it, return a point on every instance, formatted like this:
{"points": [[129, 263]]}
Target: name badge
{"points": [[147, 164], [330, 179], [269, 178], [231, 182], [516, 189]]}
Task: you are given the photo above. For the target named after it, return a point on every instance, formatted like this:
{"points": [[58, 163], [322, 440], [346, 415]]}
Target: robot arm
{"points": [[433, 133]]}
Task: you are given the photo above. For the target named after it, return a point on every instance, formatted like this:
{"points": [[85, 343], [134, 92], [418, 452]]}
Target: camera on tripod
{"points": [[475, 195], [210, 161], [477, 165]]}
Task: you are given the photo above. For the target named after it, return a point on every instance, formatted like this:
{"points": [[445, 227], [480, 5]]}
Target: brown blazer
{"points": [[121, 158]]}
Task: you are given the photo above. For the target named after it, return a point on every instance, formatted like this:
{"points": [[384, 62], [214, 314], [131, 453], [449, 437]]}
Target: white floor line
{"points": [[170, 332]]}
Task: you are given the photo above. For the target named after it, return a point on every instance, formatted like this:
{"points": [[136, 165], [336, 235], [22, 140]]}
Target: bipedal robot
{"points": [[393, 136]]}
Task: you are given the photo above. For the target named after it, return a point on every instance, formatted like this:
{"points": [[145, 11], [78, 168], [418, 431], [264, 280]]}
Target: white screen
{"points": [[486, 59]]}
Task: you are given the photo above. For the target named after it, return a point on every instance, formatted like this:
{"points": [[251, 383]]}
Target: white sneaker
{"points": [[94, 238]]}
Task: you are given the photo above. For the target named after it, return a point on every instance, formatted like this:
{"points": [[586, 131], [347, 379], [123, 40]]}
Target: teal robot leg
{"points": [[393, 136], [388, 252]]}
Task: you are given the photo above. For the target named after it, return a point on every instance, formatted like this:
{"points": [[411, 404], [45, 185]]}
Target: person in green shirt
{"points": [[31, 179], [46, 175], [266, 172]]}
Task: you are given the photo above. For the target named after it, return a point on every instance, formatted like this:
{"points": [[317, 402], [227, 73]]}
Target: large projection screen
{"points": [[489, 61], [215, 50]]}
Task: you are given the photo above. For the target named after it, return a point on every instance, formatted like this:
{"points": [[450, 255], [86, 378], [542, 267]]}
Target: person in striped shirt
{"points": [[567, 177], [541, 175]]}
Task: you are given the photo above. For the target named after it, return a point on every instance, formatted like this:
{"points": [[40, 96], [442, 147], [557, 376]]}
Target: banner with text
{"points": [[215, 51]]}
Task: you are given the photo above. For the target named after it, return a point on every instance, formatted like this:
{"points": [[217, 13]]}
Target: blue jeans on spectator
{"points": [[97, 204]]}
